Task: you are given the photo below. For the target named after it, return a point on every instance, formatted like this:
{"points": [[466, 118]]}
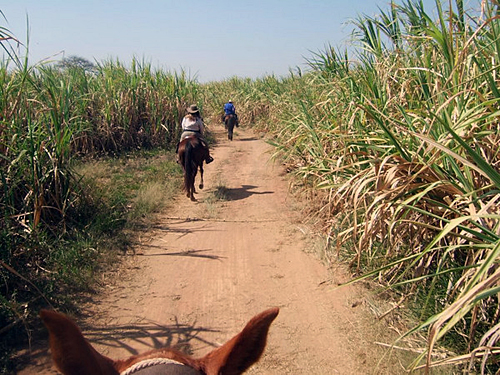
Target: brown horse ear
{"points": [[71, 353], [244, 349]]}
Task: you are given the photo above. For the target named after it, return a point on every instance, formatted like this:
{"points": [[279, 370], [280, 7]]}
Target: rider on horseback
{"points": [[229, 109], [192, 124]]}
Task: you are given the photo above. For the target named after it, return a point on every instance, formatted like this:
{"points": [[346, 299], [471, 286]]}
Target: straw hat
{"points": [[193, 108]]}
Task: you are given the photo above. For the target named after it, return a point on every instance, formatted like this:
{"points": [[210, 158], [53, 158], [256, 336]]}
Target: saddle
{"points": [[191, 135], [226, 117], [199, 137]]}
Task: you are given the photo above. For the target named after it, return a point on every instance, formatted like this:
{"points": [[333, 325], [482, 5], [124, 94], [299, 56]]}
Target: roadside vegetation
{"points": [[85, 161], [394, 143]]}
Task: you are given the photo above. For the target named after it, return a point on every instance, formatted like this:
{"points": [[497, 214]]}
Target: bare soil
{"points": [[207, 267]]}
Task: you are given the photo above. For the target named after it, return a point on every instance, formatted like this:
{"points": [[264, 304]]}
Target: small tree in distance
{"points": [[77, 62]]}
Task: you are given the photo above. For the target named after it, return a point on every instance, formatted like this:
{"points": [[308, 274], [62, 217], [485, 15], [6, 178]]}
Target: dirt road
{"points": [[208, 267]]}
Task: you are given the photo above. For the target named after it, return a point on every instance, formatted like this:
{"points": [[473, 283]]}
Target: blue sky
{"points": [[210, 40]]}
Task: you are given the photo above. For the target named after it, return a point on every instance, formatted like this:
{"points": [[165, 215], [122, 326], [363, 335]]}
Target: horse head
{"points": [[73, 354]]}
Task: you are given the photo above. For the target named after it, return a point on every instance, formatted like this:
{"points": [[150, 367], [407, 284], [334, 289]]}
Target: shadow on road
{"points": [[247, 139], [187, 253], [180, 336], [244, 192]]}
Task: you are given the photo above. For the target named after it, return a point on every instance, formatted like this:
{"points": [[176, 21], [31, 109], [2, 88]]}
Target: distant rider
{"points": [[229, 109], [192, 124]]}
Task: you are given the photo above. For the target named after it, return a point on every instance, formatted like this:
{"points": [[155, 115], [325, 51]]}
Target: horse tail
{"points": [[231, 121], [189, 166]]}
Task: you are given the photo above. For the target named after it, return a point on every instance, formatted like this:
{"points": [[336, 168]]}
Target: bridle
{"points": [[157, 366]]}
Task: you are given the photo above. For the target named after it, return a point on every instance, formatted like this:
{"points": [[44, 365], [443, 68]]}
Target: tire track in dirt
{"points": [[206, 268]]}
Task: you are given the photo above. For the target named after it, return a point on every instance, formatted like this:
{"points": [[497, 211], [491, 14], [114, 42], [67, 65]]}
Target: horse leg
{"points": [[201, 175], [230, 128], [192, 191], [193, 188], [187, 184]]}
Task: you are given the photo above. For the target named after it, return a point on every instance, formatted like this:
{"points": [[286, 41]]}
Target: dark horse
{"points": [[192, 152], [230, 121]]}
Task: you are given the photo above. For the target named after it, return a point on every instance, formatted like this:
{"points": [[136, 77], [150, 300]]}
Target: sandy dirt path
{"points": [[207, 267]]}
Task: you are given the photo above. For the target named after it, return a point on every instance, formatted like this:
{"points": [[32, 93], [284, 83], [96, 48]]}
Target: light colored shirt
{"points": [[192, 123]]}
